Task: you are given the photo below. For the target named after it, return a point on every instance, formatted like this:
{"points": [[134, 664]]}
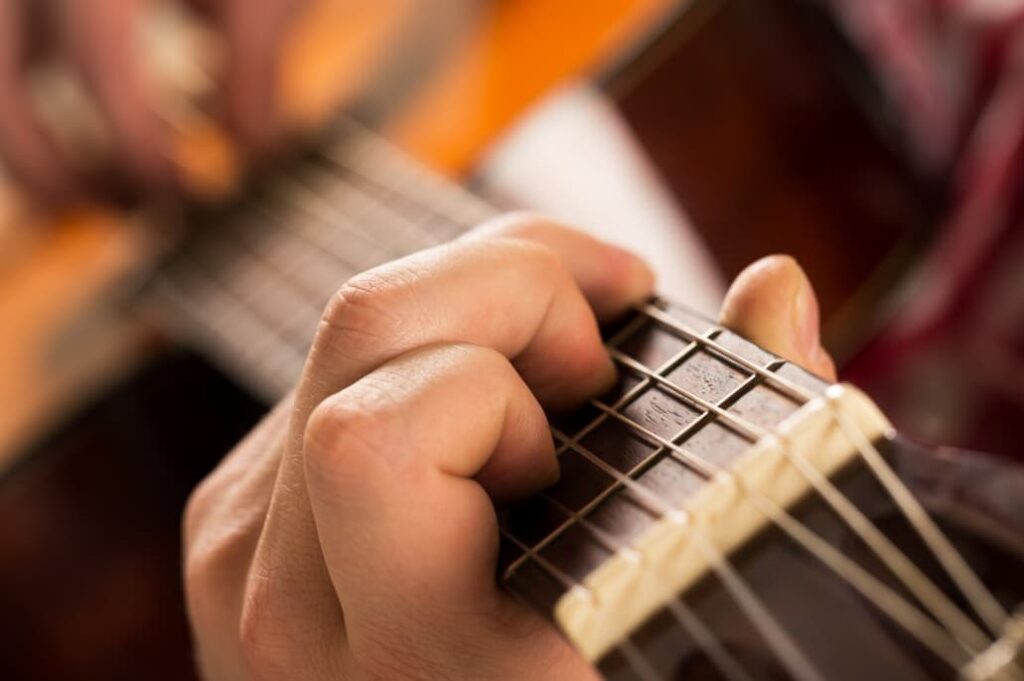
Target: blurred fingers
{"points": [[26, 149], [104, 38], [254, 32]]}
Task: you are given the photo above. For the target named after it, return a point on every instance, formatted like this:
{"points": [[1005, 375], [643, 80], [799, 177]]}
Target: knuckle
{"points": [[338, 431], [540, 261], [359, 313]]}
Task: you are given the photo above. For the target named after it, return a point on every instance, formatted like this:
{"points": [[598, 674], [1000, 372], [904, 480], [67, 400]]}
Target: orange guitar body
{"points": [[61, 337]]}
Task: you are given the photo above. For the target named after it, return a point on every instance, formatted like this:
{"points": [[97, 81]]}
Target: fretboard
{"points": [[249, 287]]}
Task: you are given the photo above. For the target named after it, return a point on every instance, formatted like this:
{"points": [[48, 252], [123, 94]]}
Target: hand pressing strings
{"points": [[353, 533]]}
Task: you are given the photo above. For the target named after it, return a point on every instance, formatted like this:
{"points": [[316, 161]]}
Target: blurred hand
{"points": [[99, 37], [353, 533]]}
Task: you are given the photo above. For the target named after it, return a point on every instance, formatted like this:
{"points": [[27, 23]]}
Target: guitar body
{"points": [[90, 512], [64, 339]]}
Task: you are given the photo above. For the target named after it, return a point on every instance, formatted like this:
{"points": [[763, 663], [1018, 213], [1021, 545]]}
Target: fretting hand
{"points": [[352, 534]]}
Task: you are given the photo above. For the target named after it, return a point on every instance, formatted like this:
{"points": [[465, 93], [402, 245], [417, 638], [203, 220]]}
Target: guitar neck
{"points": [[249, 286], [679, 482]]}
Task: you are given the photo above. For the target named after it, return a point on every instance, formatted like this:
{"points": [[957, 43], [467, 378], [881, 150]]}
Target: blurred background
{"points": [[184, 183]]}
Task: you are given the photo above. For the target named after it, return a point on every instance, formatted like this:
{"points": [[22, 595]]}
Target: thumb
{"points": [[772, 303]]}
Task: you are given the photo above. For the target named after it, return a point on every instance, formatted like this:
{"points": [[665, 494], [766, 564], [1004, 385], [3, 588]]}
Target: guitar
{"points": [[629, 553], [717, 510]]}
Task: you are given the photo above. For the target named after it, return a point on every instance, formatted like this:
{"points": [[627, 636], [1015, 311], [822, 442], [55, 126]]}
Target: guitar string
{"points": [[684, 617], [549, 566], [963, 576], [923, 588], [888, 601], [638, 662], [903, 615], [767, 624], [926, 591]]}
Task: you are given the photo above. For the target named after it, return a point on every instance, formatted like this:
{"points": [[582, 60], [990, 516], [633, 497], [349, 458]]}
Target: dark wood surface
{"points": [[773, 138], [90, 583]]}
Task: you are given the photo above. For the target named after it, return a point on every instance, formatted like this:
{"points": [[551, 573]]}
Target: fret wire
{"points": [[574, 515], [404, 230], [389, 159], [884, 598], [645, 494], [746, 429], [439, 209], [972, 588], [378, 171], [794, 390], [258, 284], [706, 640], [699, 465], [605, 538], [682, 614], [923, 588], [788, 654], [401, 235], [292, 329], [321, 275], [186, 308], [326, 237], [638, 662], [674, 361], [572, 443], [291, 191], [553, 570]]}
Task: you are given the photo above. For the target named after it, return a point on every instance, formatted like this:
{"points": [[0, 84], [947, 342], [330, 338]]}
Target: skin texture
{"points": [[352, 534], [97, 37]]}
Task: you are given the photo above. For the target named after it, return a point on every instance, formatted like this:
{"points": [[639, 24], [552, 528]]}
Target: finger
{"points": [[513, 295], [609, 277], [28, 151], [104, 39], [222, 523], [399, 466], [772, 303], [254, 33], [508, 294]]}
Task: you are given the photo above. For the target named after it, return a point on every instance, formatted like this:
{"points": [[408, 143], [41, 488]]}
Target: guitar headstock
{"points": [[723, 513]]}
